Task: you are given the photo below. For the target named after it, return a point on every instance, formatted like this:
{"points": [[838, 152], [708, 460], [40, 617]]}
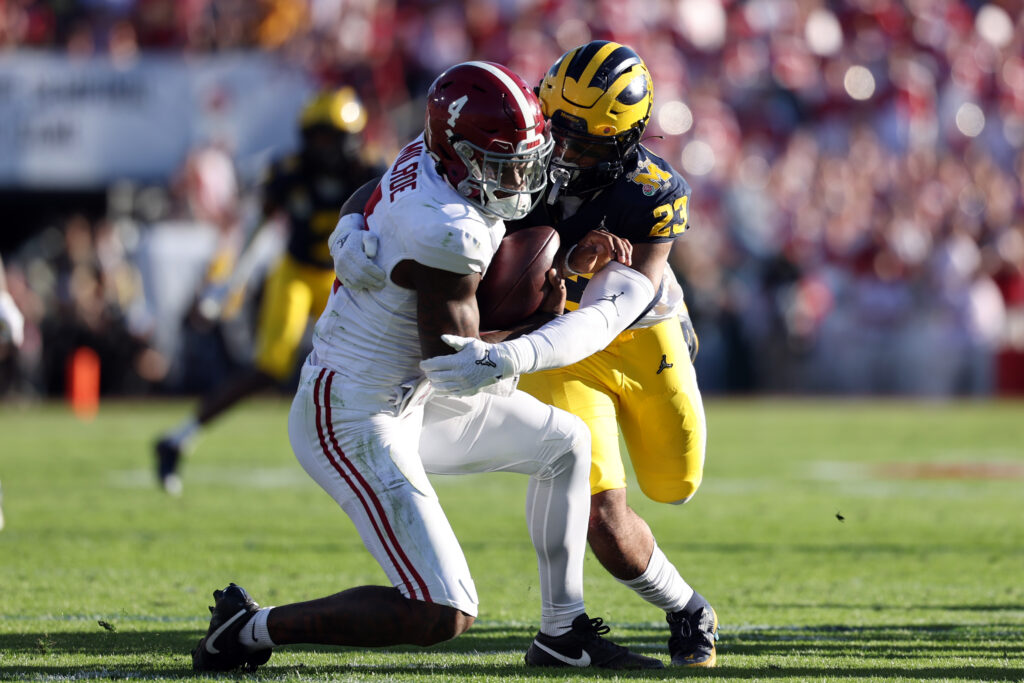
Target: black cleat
{"points": [[220, 649], [168, 455], [692, 642], [582, 645]]}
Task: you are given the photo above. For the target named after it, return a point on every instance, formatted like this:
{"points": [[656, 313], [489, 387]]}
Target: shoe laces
{"points": [[692, 629], [598, 627], [682, 633], [685, 629]]}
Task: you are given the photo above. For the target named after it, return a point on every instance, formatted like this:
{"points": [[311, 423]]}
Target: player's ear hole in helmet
{"points": [[330, 124], [485, 130], [598, 98]]}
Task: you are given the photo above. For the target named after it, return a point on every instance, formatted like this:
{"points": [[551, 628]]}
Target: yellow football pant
{"points": [[293, 293], [643, 383]]}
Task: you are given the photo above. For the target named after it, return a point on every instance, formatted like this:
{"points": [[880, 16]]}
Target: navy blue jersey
{"points": [[311, 202], [646, 205]]}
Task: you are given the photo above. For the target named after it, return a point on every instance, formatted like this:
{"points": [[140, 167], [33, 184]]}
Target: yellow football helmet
{"points": [[598, 97], [330, 125], [339, 109]]}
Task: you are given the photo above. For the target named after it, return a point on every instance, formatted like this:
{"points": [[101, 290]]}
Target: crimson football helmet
{"points": [[485, 130]]}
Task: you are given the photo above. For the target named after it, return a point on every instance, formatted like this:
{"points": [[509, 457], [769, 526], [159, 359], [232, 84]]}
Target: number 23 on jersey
{"points": [[671, 218]]}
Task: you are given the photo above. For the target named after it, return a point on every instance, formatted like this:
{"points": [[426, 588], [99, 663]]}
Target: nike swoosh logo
{"points": [[255, 639], [582, 660], [209, 640]]}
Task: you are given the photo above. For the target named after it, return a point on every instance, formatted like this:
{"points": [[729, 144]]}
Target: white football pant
{"points": [[374, 465]]}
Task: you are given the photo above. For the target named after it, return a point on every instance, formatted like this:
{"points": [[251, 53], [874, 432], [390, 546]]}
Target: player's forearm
{"points": [[445, 304], [615, 298], [534, 322], [439, 318]]}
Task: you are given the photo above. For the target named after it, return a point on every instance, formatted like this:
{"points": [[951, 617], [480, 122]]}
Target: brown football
{"points": [[516, 280]]}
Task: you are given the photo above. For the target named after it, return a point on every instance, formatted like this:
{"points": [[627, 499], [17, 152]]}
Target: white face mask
{"points": [[519, 176]]}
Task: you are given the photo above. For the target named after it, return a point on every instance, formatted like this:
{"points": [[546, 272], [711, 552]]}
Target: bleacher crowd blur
{"points": [[857, 212]]}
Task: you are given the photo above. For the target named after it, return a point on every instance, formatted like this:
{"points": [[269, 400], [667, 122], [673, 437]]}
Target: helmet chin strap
{"points": [[559, 178]]}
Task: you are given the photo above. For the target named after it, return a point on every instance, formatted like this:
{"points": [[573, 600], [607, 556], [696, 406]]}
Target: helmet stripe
{"points": [[522, 104], [593, 69], [629, 88], [613, 65], [583, 57]]}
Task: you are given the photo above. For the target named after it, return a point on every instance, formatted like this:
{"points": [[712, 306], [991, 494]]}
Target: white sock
{"points": [[254, 635], [183, 433], [660, 584], [556, 626], [557, 507]]}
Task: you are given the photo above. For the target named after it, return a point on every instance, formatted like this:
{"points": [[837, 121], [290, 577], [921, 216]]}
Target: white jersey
{"points": [[371, 338]]}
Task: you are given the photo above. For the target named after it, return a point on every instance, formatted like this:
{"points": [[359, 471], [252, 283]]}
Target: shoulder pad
{"points": [[448, 237]]}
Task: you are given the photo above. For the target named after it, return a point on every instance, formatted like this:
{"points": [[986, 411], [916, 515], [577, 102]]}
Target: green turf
{"points": [[921, 579]]}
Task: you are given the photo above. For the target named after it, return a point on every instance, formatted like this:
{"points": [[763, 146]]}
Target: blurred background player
{"points": [[12, 333], [305, 192], [12, 322]]}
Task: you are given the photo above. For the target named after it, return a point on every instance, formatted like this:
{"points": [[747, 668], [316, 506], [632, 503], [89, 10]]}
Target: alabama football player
{"points": [[367, 428]]}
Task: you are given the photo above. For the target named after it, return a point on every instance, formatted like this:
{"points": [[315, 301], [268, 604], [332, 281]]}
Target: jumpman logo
{"points": [[486, 360], [612, 298], [664, 364]]}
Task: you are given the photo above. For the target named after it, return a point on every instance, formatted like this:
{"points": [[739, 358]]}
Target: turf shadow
{"points": [[944, 673], [481, 638], [889, 606], [121, 642]]}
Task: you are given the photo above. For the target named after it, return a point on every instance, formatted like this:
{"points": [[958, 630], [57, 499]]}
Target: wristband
{"points": [[568, 268]]}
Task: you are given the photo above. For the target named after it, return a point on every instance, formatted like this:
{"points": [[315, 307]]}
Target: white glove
{"points": [[476, 365], [12, 322], [353, 262]]}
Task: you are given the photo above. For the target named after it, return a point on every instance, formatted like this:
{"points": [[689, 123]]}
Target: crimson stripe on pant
{"points": [[360, 487]]}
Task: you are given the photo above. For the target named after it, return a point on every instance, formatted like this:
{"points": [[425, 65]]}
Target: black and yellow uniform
{"points": [[643, 381], [298, 286]]}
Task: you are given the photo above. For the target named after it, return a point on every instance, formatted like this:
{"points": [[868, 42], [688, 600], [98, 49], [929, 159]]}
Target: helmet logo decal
{"points": [[455, 108]]}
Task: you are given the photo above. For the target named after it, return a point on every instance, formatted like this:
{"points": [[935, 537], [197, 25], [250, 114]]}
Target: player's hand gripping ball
{"points": [[516, 283]]}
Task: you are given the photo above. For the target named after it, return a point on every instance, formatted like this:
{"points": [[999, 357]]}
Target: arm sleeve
{"points": [[613, 299]]}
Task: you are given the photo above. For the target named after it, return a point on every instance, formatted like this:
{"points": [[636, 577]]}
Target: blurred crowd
{"points": [[857, 222]]}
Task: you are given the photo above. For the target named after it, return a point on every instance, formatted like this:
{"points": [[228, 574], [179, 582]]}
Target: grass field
{"points": [[103, 576]]}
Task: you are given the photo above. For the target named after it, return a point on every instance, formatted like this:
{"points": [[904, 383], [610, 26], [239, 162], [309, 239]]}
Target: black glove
{"points": [[689, 335]]}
